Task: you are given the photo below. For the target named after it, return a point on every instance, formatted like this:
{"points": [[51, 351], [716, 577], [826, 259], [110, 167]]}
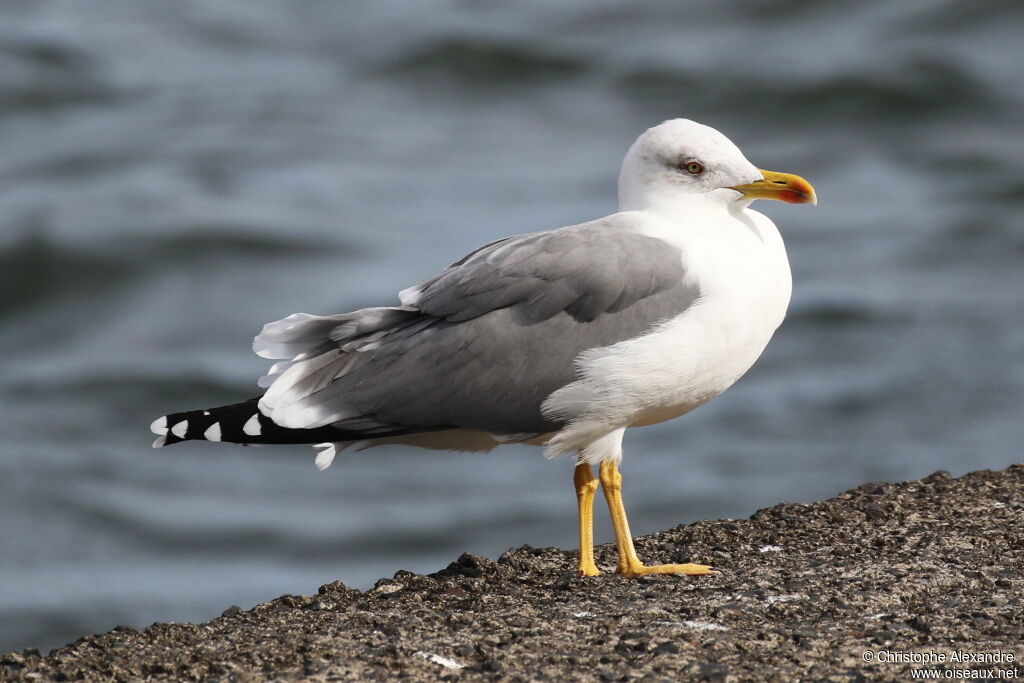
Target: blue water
{"points": [[173, 176]]}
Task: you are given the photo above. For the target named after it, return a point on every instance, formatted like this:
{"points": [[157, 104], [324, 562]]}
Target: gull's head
{"points": [[682, 161]]}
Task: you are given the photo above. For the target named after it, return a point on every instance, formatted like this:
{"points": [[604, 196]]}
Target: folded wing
{"points": [[482, 344]]}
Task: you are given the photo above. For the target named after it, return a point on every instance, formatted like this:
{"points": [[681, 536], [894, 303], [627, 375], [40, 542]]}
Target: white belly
{"points": [[703, 353]]}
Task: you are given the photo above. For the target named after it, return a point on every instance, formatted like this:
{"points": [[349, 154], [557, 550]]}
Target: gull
{"points": [[562, 339]]}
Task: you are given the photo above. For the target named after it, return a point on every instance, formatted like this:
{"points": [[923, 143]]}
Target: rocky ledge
{"points": [[868, 585]]}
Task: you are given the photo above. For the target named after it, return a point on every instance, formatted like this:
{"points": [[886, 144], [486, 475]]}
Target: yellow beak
{"points": [[785, 187]]}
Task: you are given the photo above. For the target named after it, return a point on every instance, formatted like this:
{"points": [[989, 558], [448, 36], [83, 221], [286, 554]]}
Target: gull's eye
{"points": [[692, 167]]}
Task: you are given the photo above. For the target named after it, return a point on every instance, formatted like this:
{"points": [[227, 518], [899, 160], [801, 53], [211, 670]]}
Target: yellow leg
{"points": [[629, 564], [586, 486]]}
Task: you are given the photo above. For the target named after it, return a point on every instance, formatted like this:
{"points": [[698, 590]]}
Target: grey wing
{"points": [[584, 271], [484, 343]]}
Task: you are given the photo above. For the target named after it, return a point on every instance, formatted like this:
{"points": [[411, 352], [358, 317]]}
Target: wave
{"points": [[954, 17], [38, 74], [36, 270], [924, 89], [835, 313], [486, 62], [135, 389], [196, 242]]}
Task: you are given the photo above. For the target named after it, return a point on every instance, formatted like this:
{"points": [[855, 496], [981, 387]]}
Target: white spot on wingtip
{"points": [[180, 429], [159, 426], [206, 412], [252, 426], [212, 433], [160, 441], [325, 454]]}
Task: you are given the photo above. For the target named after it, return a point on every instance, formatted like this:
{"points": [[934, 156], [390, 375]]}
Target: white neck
{"points": [[671, 204]]}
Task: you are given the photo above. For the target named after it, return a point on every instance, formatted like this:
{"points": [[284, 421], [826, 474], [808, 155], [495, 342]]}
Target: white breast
{"points": [[740, 265]]}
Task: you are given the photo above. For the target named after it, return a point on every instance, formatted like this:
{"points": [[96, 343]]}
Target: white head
{"points": [[682, 161]]}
